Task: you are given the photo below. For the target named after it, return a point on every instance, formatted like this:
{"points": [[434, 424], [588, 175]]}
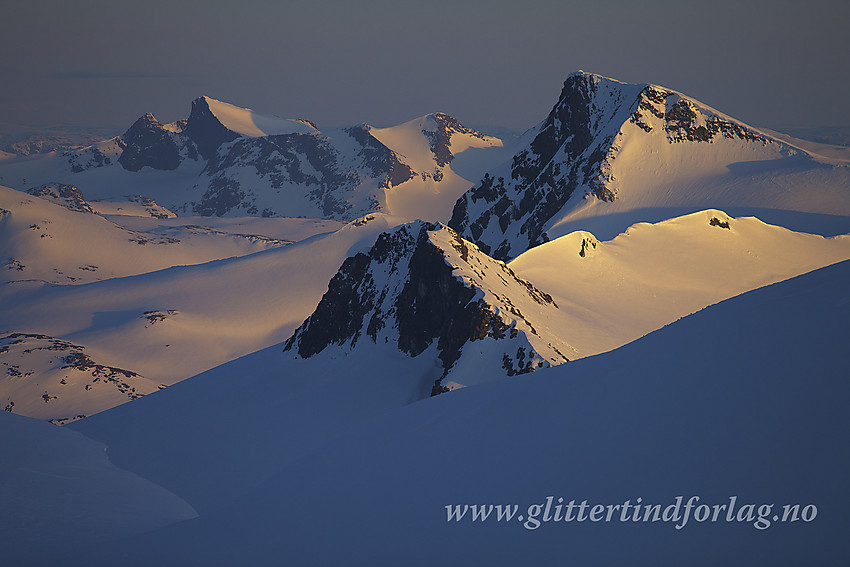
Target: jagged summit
{"points": [[148, 118], [153, 144], [212, 123], [421, 285], [513, 206]]}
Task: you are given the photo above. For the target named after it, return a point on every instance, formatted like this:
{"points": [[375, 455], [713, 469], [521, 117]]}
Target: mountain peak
{"points": [[205, 129], [574, 153], [247, 122], [587, 77], [422, 285], [146, 122], [148, 118], [150, 143]]}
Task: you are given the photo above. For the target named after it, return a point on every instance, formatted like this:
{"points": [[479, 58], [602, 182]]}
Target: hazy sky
{"points": [[770, 63]]}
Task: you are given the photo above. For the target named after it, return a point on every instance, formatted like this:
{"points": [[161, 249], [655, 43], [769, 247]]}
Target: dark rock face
{"points": [[66, 195], [567, 152], [586, 245], [221, 197], [205, 130], [404, 289], [434, 305], [311, 165], [280, 161], [379, 159], [684, 121], [652, 100], [719, 223], [682, 124], [440, 140], [149, 144], [352, 294]]}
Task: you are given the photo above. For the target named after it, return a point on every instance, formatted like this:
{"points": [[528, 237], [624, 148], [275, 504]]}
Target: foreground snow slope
{"points": [[746, 398], [59, 490], [216, 435]]}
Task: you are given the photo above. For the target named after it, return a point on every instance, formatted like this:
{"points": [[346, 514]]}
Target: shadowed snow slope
{"points": [[59, 490], [746, 398]]}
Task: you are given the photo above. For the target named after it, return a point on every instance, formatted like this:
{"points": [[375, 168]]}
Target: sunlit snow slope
{"points": [[163, 325], [612, 292], [60, 242], [246, 122]]}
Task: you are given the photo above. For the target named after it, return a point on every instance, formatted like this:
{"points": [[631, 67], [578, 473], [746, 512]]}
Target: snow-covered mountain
{"points": [[159, 294], [139, 289], [33, 363], [418, 307], [611, 292], [422, 287], [27, 140], [229, 161], [611, 154]]}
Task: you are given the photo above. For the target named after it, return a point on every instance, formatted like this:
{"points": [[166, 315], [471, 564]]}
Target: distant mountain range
{"points": [[230, 161]]}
